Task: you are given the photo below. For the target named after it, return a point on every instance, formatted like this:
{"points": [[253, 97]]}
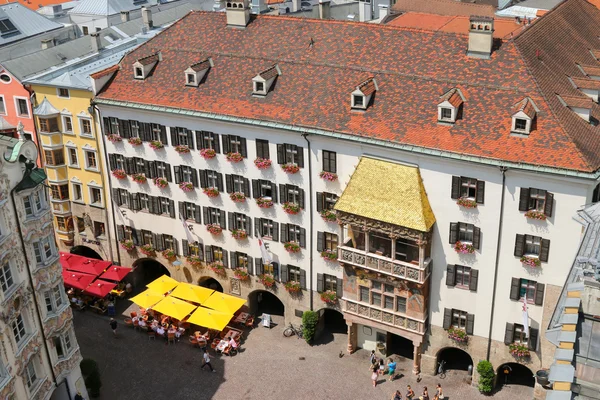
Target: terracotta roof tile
{"points": [[596, 54], [201, 66], [591, 70], [579, 102], [104, 72], [367, 87], [269, 73], [585, 83], [444, 7], [526, 106], [150, 59], [455, 100]]}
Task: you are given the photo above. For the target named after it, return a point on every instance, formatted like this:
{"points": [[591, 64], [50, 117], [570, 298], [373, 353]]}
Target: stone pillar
{"points": [[352, 339], [417, 359]]}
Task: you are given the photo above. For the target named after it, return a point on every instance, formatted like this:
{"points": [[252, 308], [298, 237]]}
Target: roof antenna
{"points": [[311, 44]]}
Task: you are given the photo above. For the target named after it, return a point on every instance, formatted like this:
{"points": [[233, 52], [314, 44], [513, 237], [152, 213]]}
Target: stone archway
{"points": [[86, 251], [145, 270], [210, 283], [454, 358], [263, 301], [333, 320], [514, 374]]}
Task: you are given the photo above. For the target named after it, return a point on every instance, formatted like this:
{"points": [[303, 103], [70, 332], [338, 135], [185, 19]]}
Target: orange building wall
{"points": [[10, 91]]}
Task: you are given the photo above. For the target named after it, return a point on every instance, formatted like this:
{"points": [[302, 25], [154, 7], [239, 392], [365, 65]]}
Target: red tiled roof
{"points": [[578, 102], [104, 72], [36, 4], [367, 87], [269, 73], [413, 68], [201, 66], [149, 59], [444, 7], [592, 70], [596, 53], [526, 106], [455, 100], [585, 83]]}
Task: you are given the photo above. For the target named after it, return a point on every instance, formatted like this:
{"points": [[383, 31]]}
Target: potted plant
{"points": [[464, 248], [466, 202], [486, 376], [328, 176], [535, 214], [291, 208], [215, 229], [329, 255], [134, 141], [211, 192], [91, 376], [114, 138], [169, 254], [267, 280], [194, 261], [218, 268], [292, 247], [207, 154], [293, 287], [290, 168], [182, 149], [127, 244], [161, 182], [458, 335], [186, 186], [310, 319], [156, 144], [241, 274], [237, 197], [239, 234], [328, 215], [531, 261], [262, 163], [147, 250], [234, 157], [139, 178], [519, 351], [119, 173], [329, 297], [264, 203]]}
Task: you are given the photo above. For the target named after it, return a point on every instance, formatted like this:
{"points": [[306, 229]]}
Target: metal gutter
{"points": [[310, 191], [354, 138]]}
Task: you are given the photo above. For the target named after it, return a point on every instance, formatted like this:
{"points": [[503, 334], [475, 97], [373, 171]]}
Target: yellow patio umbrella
{"points": [[211, 319], [163, 284], [189, 292], [147, 298], [174, 307], [224, 302]]}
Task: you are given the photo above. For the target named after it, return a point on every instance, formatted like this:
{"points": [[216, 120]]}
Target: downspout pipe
{"points": [[310, 223], [30, 278], [497, 264]]}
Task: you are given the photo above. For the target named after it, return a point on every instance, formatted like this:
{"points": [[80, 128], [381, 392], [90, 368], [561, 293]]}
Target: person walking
{"points": [[409, 392], [397, 395], [113, 326], [439, 395], [381, 366], [372, 358], [374, 374], [206, 358], [425, 395], [391, 369]]}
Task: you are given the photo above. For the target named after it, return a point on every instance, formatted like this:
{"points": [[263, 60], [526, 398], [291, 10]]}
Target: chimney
{"points": [[365, 12], [124, 16], [96, 42], [47, 43], [324, 9], [147, 18], [238, 13], [481, 37], [296, 5]]}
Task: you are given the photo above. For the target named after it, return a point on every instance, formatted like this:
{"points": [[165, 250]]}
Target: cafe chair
{"points": [[151, 335], [193, 341], [170, 338], [129, 322], [250, 322]]}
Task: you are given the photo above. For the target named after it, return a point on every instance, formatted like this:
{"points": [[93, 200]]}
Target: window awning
{"points": [[388, 192], [30, 181], [45, 109]]}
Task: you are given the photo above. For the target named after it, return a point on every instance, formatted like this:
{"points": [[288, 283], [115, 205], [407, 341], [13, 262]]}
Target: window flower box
{"points": [[292, 247], [519, 351], [169, 254], [329, 297], [156, 144], [290, 168], [147, 250], [134, 141], [218, 268], [182, 149], [464, 248], [119, 173], [458, 335], [535, 214], [194, 261], [211, 192], [234, 157], [139, 178], [466, 202], [207, 154], [262, 163], [264, 203], [293, 287], [127, 244], [215, 229], [239, 234], [161, 182], [241, 274], [329, 255], [328, 176], [531, 261], [291, 208], [328, 215], [113, 138], [186, 186], [237, 197], [267, 280]]}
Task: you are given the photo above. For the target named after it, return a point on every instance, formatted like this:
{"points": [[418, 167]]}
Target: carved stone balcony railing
{"points": [[384, 316], [377, 263]]}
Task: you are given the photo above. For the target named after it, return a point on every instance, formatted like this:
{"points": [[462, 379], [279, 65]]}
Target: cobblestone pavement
{"points": [[269, 367]]}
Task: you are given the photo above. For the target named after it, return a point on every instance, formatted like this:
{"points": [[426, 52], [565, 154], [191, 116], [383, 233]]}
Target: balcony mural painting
{"points": [[218, 268], [234, 157], [292, 247], [148, 250], [535, 214], [186, 187], [127, 244], [458, 335], [161, 183], [211, 192], [264, 203], [157, 144], [182, 149], [464, 248], [207, 154], [329, 255], [291, 208], [241, 274], [139, 178], [239, 234], [194, 261], [114, 138], [519, 351], [135, 141], [293, 287], [267, 280], [262, 163], [119, 173], [290, 168], [328, 215], [329, 297], [214, 229], [237, 197], [466, 202], [531, 261], [328, 176]]}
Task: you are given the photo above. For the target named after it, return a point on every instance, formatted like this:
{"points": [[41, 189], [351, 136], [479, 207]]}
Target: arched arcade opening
{"points": [[145, 270], [86, 251], [454, 359], [514, 374], [210, 283], [262, 301]]}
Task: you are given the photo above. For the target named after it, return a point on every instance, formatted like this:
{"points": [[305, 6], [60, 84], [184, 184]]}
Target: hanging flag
{"points": [[266, 257], [120, 213], [188, 230], [525, 316]]}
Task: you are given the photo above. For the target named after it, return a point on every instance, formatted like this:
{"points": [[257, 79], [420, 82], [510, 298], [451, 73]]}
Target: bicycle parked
{"points": [[292, 330], [442, 369]]}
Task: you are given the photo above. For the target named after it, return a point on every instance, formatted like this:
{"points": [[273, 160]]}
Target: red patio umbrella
{"points": [[100, 288], [77, 280], [115, 273], [87, 265]]}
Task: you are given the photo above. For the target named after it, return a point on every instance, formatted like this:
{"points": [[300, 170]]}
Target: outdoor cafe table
{"points": [[222, 345], [232, 333], [242, 318]]}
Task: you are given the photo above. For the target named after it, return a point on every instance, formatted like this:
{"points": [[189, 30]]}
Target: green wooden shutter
{"points": [[455, 190], [451, 275], [549, 205], [320, 283], [515, 287], [509, 333], [447, 318], [524, 199]]}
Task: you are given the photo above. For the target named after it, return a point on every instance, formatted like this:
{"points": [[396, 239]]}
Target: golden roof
{"points": [[388, 192]]}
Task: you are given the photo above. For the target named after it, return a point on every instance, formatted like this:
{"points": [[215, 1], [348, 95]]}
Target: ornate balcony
{"points": [[384, 316]]}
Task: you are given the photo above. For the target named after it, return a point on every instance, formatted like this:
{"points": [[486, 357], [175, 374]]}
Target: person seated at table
{"points": [[160, 331], [71, 292], [134, 319], [234, 346], [128, 287], [142, 323], [74, 299], [172, 329]]}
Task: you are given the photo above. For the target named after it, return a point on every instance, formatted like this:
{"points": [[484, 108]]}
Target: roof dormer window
{"points": [[262, 83], [582, 106], [196, 72], [139, 72], [358, 101], [449, 108], [523, 116], [361, 96], [191, 79], [143, 66], [259, 87]]}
